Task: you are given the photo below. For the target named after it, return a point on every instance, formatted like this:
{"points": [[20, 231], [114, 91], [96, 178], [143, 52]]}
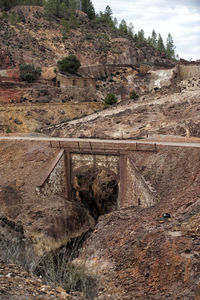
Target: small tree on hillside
{"points": [[160, 45], [140, 38], [69, 64], [29, 73], [52, 8], [170, 48], [123, 28], [154, 39], [133, 95], [88, 8], [131, 30], [110, 99]]}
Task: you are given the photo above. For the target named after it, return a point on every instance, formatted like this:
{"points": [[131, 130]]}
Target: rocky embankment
{"points": [[18, 284]]}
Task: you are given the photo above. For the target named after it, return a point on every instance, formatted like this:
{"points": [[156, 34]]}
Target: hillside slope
{"points": [[168, 112], [35, 39]]}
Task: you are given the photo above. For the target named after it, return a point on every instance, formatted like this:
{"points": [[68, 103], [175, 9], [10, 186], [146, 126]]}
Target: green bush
{"points": [[133, 95], [110, 99], [69, 64], [29, 73], [4, 15], [8, 130]]}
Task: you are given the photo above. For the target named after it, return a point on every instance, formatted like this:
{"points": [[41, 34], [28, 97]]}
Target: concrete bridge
{"points": [[109, 155], [76, 155]]}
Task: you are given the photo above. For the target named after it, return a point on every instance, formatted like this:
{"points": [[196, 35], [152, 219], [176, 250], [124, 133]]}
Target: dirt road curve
{"points": [[114, 142]]}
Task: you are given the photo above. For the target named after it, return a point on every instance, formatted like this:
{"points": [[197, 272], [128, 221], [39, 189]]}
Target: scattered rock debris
{"points": [[18, 284]]}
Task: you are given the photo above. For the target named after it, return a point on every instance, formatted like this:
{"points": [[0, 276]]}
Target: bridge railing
{"points": [[103, 147]]}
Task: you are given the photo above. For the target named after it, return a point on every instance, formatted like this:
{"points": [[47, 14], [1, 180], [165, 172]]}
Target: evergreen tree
{"points": [[160, 44], [154, 39], [140, 38], [108, 11], [6, 5], [69, 64], [73, 4], [106, 17], [170, 48], [52, 8], [115, 22], [123, 28], [88, 8], [110, 99], [63, 10], [67, 2], [131, 30]]}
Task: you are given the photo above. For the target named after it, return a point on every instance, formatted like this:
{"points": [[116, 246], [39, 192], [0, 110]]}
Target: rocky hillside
{"points": [[28, 36], [32, 38], [170, 111]]}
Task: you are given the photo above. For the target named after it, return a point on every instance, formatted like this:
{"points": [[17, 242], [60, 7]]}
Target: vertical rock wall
{"points": [[189, 70], [55, 184], [136, 191]]}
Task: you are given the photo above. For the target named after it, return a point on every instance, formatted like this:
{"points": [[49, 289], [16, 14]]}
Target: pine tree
{"points": [[115, 22], [131, 30], [123, 28], [154, 39], [52, 8], [88, 8], [160, 44], [170, 48], [5, 4], [108, 11], [140, 37]]}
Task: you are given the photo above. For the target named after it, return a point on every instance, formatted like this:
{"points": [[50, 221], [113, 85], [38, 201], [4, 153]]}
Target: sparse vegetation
{"points": [[134, 95], [69, 64], [110, 99], [8, 130], [29, 73], [56, 268]]}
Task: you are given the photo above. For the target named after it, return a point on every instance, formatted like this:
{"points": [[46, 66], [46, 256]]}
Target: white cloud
{"points": [[179, 17]]}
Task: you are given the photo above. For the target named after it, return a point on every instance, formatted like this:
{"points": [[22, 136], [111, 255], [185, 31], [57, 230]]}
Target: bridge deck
{"points": [[102, 146]]}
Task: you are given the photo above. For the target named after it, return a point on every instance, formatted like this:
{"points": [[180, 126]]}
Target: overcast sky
{"points": [[179, 17]]}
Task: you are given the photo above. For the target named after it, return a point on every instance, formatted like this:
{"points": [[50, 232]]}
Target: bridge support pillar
{"points": [[68, 188], [122, 172]]}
